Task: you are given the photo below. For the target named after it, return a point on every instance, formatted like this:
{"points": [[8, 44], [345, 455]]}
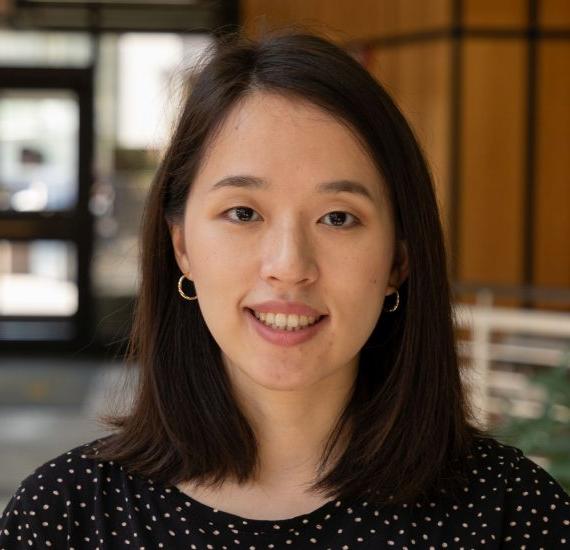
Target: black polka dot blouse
{"points": [[75, 503]]}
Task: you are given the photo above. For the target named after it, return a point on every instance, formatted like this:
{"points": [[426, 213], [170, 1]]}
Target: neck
{"points": [[293, 427]]}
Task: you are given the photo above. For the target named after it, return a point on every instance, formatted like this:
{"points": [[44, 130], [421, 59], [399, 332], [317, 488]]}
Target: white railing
{"points": [[483, 322]]}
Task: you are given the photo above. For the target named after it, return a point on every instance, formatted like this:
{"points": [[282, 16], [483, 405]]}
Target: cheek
{"points": [[365, 271], [214, 265], [356, 292], [361, 287], [212, 253]]}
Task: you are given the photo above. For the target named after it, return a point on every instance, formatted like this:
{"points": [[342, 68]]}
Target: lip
{"points": [[278, 306], [284, 337]]}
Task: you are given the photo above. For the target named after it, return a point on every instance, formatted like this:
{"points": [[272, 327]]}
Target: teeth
{"points": [[283, 321]]}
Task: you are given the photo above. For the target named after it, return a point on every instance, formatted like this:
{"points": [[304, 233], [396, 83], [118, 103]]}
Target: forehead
{"points": [[276, 137]]}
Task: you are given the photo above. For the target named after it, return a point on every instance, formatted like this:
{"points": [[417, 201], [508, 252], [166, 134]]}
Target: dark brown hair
{"points": [[410, 423]]}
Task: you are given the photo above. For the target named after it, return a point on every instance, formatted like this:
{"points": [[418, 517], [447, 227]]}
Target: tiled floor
{"points": [[48, 407]]}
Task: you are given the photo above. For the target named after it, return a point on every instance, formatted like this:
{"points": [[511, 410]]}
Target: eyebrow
{"points": [[254, 182]]}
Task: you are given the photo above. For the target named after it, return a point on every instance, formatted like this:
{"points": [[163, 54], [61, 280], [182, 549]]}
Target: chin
{"points": [[278, 377], [285, 377]]}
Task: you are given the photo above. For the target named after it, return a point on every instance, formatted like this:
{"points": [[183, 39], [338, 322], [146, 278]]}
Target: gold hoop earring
{"points": [[181, 292], [395, 306]]}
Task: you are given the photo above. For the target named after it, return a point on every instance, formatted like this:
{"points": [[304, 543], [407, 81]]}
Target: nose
{"points": [[288, 257]]}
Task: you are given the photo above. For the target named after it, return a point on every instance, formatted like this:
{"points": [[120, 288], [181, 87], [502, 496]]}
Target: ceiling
{"points": [[122, 15]]}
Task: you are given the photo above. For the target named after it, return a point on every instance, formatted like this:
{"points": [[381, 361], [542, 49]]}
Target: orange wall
{"points": [[5, 6], [492, 118]]}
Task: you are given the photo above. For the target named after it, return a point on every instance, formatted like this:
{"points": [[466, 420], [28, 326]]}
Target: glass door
{"points": [[46, 137]]}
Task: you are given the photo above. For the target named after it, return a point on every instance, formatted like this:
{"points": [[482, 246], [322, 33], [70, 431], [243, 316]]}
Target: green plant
{"points": [[547, 435]]}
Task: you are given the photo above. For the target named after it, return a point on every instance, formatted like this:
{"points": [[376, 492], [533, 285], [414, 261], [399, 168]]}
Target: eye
{"points": [[243, 215], [339, 216], [240, 211]]}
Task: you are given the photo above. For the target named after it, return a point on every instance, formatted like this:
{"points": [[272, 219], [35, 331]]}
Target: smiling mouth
{"points": [[286, 328]]}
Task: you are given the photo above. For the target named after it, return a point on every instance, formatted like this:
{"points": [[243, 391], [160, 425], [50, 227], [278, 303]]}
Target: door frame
{"points": [[74, 225]]}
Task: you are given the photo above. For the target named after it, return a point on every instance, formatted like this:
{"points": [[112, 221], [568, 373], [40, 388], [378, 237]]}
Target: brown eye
{"points": [[242, 214], [338, 217]]}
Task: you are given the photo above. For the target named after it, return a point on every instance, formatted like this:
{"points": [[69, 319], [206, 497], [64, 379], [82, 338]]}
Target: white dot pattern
{"points": [[77, 503]]}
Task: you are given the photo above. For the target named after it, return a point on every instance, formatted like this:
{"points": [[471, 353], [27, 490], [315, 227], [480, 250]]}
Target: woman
{"points": [[299, 384]]}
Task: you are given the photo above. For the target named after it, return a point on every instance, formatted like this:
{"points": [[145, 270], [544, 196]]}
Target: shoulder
{"points": [[489, 465], [492, 449], [492, 460], [534, 507], [58, 474], [511, 465], [44, 501]]}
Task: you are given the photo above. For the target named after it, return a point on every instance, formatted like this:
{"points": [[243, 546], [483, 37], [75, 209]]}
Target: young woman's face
{"points": [[284, 237]]}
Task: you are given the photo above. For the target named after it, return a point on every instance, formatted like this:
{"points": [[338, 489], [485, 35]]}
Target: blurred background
{"points": [[88, 96]]}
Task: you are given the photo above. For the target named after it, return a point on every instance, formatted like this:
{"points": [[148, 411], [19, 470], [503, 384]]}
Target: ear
{"points": [[400, 269], [179, 246]]}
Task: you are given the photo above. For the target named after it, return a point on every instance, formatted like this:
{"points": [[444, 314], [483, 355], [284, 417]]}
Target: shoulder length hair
{"points": [[410, 422]]}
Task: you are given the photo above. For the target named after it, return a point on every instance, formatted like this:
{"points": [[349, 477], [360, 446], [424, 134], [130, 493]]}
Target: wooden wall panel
{"points": [[492, 162], [552, 207], [554, 13], [348, 20], [492, 120], [418, 77], [6, 6], [408, 16], [493, 13]]}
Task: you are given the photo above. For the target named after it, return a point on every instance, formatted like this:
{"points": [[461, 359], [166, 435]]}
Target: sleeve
{"points": [[537, 509], [35, 517]]}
